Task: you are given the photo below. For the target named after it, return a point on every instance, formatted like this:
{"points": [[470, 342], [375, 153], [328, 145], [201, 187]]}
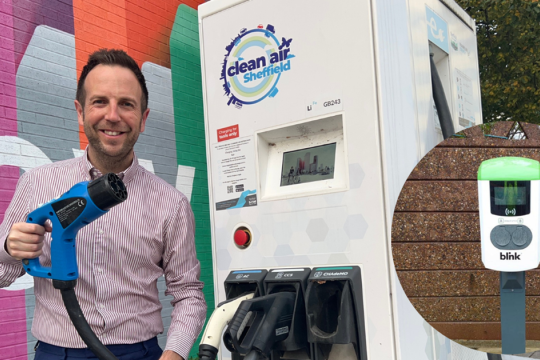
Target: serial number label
{"points": [[332, 103]]}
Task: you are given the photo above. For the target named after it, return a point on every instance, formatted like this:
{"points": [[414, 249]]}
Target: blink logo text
{"points": [[509, 256]]}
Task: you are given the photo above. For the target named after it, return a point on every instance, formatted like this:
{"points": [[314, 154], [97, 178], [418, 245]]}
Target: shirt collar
{"points": [[93, 173]]}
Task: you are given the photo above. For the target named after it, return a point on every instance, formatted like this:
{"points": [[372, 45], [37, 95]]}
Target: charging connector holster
{"points": [[335, 314], [275, 323]]}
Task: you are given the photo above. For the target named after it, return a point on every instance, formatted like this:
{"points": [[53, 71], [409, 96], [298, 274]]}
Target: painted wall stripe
{"points": [[190, 139]]}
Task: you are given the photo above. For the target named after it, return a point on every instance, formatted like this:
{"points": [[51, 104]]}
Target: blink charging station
{"points": [[316, 111], [508, 193]]}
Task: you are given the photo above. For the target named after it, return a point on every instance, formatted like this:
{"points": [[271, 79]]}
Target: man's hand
{"points": [[25, 241], [170, 355]]}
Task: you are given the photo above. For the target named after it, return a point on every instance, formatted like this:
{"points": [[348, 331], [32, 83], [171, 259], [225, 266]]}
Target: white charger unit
{"points": [[508, 196], [316, 112]]}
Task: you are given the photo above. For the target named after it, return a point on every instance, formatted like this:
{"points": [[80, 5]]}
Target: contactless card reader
{"points": [[508, 195]]}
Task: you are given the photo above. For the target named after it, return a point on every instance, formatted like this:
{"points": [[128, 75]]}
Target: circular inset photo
{"points": [[466, 238]]}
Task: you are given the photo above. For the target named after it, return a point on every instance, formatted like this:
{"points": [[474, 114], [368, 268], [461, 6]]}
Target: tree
{"points": [[508, 34]]}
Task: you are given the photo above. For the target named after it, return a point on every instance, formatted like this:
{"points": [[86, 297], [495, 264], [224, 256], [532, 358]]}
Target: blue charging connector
{"points": [[68, 214]]}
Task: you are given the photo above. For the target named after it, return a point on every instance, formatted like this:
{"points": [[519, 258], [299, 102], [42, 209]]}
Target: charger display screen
{"points": [[510, 198], [309, 164]]}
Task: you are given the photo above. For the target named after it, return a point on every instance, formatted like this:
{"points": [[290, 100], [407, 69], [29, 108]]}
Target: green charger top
{"points": [[509, 169]]}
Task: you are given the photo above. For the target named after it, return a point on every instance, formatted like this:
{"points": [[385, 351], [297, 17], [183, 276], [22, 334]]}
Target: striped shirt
{"points": [[120, 257]]}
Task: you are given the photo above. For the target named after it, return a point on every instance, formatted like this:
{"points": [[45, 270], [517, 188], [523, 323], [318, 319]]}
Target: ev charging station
{"points": [[508, 193], [316, 111]]}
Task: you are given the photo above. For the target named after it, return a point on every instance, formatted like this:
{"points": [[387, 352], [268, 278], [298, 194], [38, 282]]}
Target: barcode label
{"points": [[229, 189], [282, 330]]}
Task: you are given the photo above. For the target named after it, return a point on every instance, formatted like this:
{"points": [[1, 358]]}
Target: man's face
{"points": [[112, 117]]}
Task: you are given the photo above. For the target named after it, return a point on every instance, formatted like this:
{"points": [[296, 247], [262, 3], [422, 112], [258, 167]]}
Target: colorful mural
{"points": [[43, 46]]}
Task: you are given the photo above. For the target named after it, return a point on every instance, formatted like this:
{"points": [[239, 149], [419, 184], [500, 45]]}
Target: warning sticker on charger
{"points": [[234, 166], [227, 133]]}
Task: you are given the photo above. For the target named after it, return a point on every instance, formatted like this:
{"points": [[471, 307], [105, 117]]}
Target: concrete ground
{"points": [[532, 355], [532, 347]]}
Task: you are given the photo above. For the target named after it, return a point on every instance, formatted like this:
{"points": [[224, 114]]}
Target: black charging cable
{"points": [[67, 289], [443, 110], [252, 355]]}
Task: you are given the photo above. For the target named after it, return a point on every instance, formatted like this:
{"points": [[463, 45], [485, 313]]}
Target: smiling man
{"points": [[122, 254], [112, 107]]}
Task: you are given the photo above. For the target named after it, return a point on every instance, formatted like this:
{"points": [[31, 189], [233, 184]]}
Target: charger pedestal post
{"points": [[513, 312]]}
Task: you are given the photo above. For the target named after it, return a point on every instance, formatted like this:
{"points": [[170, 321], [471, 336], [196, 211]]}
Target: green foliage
{"points": [[486, 128], [508, 33]]}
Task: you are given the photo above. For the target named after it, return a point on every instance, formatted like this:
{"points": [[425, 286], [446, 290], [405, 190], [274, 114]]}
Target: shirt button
{"points": [[102, 306], [100, 270], [100, 231]]}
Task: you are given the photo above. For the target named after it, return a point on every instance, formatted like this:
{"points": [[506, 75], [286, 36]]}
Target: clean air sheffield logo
{"points": [[253, 65]]}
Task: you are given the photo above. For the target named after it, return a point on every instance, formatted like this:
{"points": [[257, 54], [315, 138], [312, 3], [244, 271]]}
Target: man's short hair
{"points": [[112, 57]]}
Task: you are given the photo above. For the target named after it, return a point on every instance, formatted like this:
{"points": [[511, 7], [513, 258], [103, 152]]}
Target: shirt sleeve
{"points": [[18, 209], [182, 272]]}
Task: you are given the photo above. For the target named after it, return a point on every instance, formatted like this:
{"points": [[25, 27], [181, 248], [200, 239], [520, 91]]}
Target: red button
{"points": [[241, 237]]}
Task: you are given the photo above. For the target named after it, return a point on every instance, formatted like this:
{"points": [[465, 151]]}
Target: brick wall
{"points": [[436, 236], [43, 46]]}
